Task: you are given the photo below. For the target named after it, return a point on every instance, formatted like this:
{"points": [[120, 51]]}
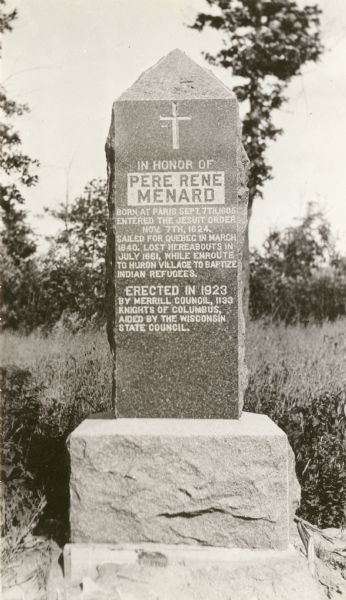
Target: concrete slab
{"points": [[151, 571]]}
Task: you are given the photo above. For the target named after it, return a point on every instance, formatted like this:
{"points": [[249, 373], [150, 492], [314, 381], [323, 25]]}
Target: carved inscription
{"points": [[175, 227]]}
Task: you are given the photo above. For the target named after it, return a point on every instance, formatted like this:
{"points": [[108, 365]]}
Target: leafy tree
{"points": [[68, 281], [16, 168], [299, 276], [74, 270], [83, 235], [16, 236], [266, 43]]}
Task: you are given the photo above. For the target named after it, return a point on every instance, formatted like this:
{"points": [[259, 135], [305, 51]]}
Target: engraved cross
{"points": [[175, 124]]}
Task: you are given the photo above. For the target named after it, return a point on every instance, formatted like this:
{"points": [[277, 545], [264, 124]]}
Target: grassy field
{"points": [[298, 378], [308, 360], [297, 375], [72, 371], [74, 368]]}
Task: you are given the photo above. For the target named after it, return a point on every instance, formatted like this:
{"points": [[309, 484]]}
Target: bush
{"points": [[316, 432], [59, 381], [70, 278], [298, 277], [299, 381], [22, 501], [22, 504]]}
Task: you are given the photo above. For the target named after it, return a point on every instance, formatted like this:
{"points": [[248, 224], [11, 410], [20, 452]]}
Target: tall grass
{"points": [[49, 384], [66, 364], [308, 360], [71, 371], [297, 377]]}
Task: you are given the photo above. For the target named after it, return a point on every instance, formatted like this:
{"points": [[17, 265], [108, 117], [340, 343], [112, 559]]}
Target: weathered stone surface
{"points": [[132, 573], [294, 492], [178, 77], [174, 259], [214, 482]]}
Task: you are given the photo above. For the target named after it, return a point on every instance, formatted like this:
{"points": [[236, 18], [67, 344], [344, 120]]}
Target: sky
{"points": [[70, 59]]}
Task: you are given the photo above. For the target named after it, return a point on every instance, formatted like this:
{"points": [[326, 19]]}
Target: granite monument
{"points": [[182, 495], [178, 201]]}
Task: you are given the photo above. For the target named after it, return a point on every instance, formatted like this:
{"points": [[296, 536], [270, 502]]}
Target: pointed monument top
{"points": [[176, 77]]}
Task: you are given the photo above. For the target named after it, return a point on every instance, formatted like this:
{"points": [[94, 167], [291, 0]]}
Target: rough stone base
{"points": [[154, 571], [220, 483]]}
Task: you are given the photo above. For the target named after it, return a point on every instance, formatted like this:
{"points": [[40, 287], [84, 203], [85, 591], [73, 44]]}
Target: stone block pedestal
{"points": [[195, 509], [177, 481]]}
